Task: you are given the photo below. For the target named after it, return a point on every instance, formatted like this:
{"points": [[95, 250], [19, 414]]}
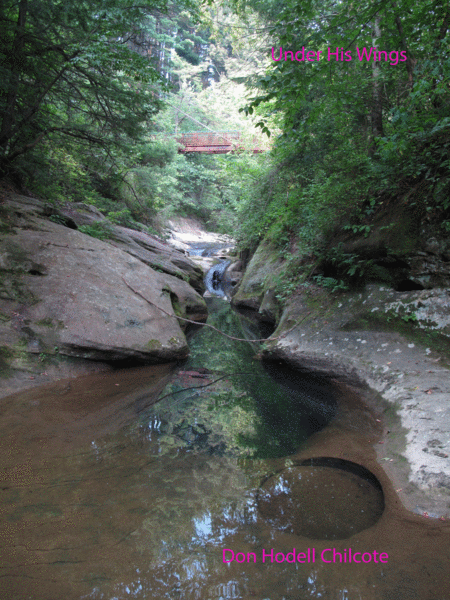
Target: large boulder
{"points": [[63, 293], [258, 283], [147, 248]]}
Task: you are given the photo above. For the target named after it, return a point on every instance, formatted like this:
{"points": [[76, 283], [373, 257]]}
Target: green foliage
{"points": [[412, 318], [79, 97], [99, 230], [60, 175], [361, 229], [404, 314], [357, 135], [349, 269], [59, 219], [330, 283], [121, 217], [290, 277], [158, 152], [67, 72], [284, 288]]}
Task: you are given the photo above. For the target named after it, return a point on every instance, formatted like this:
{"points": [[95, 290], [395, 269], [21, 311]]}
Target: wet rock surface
{"points": [[204, 248]]}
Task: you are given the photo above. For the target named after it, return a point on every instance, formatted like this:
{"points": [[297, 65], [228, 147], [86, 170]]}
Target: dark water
{"points": [[282, 412], [107, 496]]}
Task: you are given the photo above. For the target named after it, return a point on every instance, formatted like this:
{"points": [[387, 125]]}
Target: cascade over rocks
{"points": [[66, 294]]}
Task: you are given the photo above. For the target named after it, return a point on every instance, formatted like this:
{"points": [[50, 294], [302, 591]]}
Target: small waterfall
{"points": [[214, 278]]}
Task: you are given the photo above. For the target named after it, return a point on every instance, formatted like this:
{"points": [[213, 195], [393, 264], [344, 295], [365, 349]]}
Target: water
{"points": [[213, 279], [107, 496]]}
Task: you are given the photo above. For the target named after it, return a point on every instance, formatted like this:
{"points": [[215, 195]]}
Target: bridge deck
{"points": [[213, 143]]}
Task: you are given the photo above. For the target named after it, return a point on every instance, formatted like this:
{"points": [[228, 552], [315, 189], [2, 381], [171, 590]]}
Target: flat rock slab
{"points": [[147, 248], [65, 293]]}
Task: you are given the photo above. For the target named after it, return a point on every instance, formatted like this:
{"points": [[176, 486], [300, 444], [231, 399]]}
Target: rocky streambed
{"points": [[71, 304], [107, 494]]}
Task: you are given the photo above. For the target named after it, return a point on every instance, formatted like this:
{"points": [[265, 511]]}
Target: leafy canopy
{"points": [[70, 68]]}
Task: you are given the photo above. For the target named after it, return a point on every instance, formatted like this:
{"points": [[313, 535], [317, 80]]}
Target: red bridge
{"points": [[216, 142]]}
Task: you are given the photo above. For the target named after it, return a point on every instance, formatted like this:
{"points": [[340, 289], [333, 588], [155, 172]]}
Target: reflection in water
{"points": [[104, 496], [321, 501], [260, 417]]}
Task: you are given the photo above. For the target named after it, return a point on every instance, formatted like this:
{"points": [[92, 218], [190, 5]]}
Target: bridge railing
{"points": [[201, 138], [217, 142]]}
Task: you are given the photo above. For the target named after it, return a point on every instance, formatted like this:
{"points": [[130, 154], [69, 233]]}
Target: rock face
{"points": [[398, 344], [392, 337], [258, 282], [146, 248], [185, 231], [64, 293], [232, 277], [407, 250]]}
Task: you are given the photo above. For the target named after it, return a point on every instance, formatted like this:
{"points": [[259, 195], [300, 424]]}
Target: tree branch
{"points": [[199, 387]]}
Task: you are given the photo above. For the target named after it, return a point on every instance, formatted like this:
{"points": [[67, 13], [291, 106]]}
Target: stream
{"points": [[246, 480]]}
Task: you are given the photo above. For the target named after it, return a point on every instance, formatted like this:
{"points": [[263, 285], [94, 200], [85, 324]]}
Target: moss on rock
{"points": [[153, 344]]}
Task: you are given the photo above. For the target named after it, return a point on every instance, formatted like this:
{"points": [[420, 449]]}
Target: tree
{"points": [[365, 118], [354, 80], [67, 69]]}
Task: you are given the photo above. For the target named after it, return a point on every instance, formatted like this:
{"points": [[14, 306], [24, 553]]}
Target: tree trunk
{"points": [[16, 65], [410, 62], [377, 104]]}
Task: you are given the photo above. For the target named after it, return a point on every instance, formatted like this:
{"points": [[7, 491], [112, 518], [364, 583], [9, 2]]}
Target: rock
{"points": [[259, 276], [231, 277], [383, 339], [236, 266], [429, 270], [432, 245], [158, 255], [64, 293], [389, 339], [184, 231], [145, 247], [270, 307]]}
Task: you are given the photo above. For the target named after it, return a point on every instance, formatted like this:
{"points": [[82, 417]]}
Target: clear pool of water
{"points": [[106, 495]]}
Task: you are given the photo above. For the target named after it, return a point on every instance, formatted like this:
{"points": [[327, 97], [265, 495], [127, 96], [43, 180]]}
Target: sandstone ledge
{"points": [[361, 340], [64, 294]]}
